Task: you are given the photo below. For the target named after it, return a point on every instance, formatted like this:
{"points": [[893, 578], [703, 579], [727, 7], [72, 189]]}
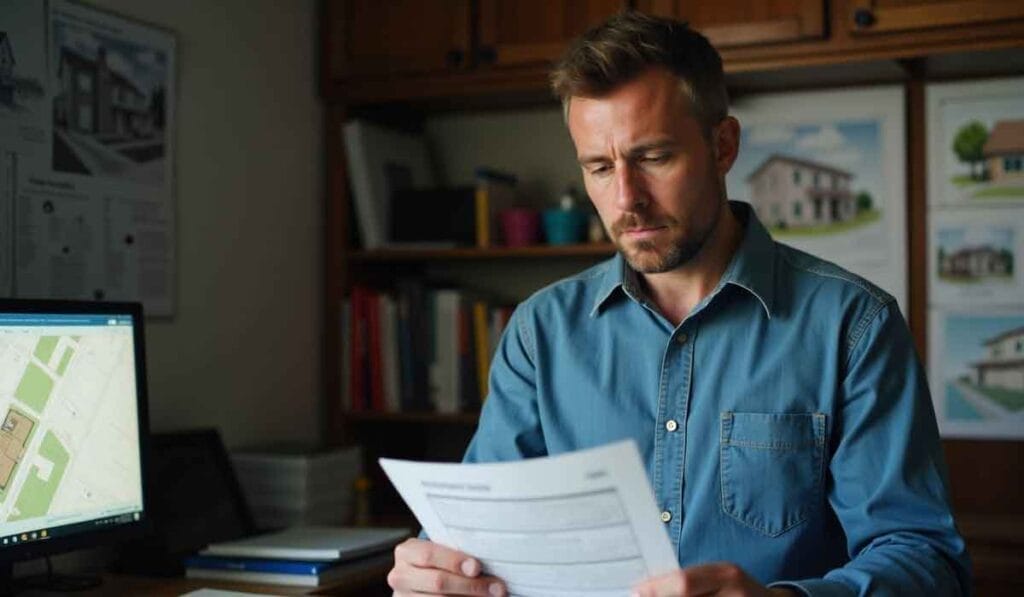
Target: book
{"points": [[494, 192], [390, 357], [445, 378], [380, 162], [282, 572], [311, 543], [482, 347]]}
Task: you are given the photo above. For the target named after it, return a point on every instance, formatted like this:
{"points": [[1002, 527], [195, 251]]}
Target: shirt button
{"points": [[666, 516], [671, 425], [682, 338]]}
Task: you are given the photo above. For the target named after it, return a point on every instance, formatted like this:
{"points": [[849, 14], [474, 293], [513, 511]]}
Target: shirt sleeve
{"points": [[889, 488], [510, 426]]}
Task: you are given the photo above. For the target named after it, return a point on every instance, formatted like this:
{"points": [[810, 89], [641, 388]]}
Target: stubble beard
{"points": [[651, 257]]}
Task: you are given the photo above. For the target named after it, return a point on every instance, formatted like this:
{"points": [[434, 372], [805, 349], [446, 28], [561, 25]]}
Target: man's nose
{"points": [[630, 193]]}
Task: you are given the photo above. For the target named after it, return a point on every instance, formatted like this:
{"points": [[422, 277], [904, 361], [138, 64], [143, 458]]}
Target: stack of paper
{"points": [[292, 485], [301, 556]]}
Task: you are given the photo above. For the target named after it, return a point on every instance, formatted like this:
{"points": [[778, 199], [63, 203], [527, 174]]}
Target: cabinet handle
{"points": [[488, 55], [454, 58], [863, 18]]}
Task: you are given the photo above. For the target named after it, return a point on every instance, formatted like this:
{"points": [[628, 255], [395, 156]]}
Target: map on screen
{"points": [[69, 448]]}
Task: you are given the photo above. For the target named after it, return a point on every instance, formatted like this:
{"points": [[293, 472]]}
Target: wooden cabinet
{"points": [[517, 32], [380, 38], [388, 38], [733, 23], [868, 17]]}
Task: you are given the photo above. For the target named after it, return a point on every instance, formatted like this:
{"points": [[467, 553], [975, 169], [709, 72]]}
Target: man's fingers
{"points": [[707, 579], [407, 579], [427, 554]]}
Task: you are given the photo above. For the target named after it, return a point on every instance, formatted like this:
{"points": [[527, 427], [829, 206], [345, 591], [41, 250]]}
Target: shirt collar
{"points": [[751, 268]]}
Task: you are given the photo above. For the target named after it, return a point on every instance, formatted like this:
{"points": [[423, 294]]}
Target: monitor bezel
{"points": [[94, 537]]}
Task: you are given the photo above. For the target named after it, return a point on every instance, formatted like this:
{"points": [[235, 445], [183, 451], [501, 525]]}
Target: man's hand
{"points": [[710, 579], [426, 568]]}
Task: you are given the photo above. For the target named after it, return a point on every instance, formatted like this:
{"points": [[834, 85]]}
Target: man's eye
{"points": [[600, 170], [656, 158]]}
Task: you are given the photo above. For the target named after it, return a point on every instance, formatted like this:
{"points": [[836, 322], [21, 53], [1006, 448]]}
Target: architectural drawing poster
{"points": [[977, 372], [975, 257], [87, 116], [975, 249], [976, 143], [828, 178]]}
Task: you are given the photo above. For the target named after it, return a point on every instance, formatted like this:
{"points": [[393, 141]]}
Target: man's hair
{"points": [[629, 43]]}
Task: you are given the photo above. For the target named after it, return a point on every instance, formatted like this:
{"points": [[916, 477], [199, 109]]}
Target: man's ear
{"points": [[726, 144]]}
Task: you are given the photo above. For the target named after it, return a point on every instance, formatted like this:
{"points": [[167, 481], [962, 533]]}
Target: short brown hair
{"points": [[629, 43]]}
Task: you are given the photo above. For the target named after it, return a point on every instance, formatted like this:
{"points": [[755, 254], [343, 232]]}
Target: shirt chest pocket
{"points": [[771, 468]]}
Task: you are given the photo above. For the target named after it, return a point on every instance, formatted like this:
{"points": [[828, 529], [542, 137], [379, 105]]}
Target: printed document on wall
{"points": [[87, 116], [583, 523]]}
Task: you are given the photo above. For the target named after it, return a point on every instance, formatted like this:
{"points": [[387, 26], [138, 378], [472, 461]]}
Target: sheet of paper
{"points": [[583, 523]]}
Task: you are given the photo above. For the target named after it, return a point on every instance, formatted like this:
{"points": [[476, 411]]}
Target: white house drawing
{"points": [[791, 192], [1003, 366]]}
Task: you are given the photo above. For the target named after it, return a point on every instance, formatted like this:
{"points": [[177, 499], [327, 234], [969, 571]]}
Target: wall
{"points": [[243, 351]]}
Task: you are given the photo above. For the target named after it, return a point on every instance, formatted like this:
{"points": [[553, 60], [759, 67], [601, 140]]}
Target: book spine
{"points": [[345, 352], [390, 357], [469, 400], [445, 370], [481, 347], [482, 214], [375, 353], [252, 565], [358, 340]]}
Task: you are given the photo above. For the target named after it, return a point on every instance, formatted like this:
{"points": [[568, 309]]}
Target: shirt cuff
{"points": [[815, 587]]}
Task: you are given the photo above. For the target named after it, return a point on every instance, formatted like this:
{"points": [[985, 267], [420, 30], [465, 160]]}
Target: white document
{"points": [[583, 523]]}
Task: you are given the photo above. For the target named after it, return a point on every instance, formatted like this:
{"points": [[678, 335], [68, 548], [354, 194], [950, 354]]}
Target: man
{"points": [[776, 399]]}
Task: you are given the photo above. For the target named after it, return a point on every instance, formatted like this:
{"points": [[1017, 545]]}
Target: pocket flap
{"points": [[773, 431]]}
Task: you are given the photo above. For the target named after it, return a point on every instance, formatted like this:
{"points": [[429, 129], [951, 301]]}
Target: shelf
{"points": [[471, 253], [427, 417]]}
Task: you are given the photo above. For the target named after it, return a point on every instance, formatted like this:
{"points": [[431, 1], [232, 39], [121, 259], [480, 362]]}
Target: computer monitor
{"points": [[73, 426]]}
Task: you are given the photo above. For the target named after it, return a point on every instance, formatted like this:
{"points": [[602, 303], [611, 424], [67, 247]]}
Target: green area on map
{"points": [[44, 350], [64, 360], [34, 389], [36, 494]]}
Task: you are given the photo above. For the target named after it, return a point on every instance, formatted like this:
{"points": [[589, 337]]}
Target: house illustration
{"points": [[975, 262], [98, 101], [1004, 365], [1004, 151], [6, 70], [788, 192]]}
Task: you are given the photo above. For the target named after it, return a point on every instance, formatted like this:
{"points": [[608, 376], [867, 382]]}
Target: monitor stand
{"points": [[6, 579], [48, 581]]}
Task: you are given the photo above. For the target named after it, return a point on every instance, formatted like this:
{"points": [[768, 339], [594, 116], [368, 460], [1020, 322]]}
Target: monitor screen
{"points": [[72, 418]]}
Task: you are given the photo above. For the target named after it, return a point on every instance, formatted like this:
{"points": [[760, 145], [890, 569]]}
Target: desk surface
{"points": [[372, 583]]}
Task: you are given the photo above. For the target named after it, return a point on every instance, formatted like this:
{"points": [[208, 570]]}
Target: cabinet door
{"points": [[515, 32], [889, 16], [734, 23], [389, 37]]}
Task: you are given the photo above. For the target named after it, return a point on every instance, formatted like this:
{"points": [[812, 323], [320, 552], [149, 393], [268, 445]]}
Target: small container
{"points": [[520, 226], [566, 224], [565, 227]]}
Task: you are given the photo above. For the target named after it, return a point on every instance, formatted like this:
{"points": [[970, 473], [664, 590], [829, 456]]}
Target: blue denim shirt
{"points": [[785, 424]]}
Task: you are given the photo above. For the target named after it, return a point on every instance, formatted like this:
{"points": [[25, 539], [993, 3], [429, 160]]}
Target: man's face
{"points": [[655, 180]]}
